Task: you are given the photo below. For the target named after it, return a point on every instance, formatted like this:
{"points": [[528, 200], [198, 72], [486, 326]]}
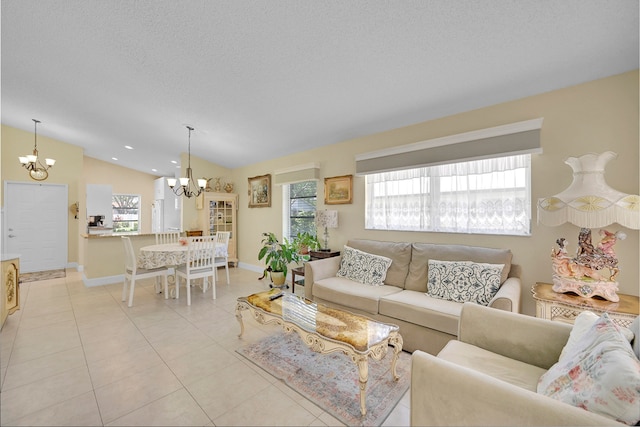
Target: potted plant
{"points": [[305, 242], [277, 256]]}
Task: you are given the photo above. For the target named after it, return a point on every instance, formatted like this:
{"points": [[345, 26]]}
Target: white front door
{"points": [[36, 224]]}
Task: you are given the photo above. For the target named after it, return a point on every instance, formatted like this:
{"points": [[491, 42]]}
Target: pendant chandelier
{"points": [[36, 169], [187, 185]]}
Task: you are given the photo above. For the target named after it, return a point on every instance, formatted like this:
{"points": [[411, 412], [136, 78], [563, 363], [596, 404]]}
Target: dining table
{"points": [[171, 255]]}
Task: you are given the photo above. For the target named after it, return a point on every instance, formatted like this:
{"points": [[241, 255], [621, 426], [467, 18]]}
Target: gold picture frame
{"points": [[260, 191], [338, 190]]}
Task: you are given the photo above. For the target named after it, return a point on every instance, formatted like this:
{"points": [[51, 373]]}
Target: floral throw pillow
{"points": [[462, 281], [363, 267], [600, 374]]}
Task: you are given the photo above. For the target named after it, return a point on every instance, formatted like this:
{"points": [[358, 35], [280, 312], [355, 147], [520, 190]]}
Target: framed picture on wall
{"points": [[338, 190], [260, 191]]}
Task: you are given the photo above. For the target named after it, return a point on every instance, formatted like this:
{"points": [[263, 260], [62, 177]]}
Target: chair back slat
{"points": [[223, 237], [200, 252], [167, 237]]}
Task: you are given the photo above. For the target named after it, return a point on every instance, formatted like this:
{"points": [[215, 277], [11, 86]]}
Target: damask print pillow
{"points": [[463, 281], [363, 267]]}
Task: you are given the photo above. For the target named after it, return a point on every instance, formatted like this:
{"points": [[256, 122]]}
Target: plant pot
{"points": [[278, 278]]}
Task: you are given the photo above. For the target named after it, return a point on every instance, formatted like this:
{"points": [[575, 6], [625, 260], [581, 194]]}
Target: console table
{"points": [[299, 271], [566, 307]]}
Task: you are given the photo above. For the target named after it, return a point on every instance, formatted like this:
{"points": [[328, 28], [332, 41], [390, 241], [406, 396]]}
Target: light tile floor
{"points": [[74, 355]]}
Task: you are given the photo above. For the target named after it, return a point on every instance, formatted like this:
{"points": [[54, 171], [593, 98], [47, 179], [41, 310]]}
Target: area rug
{"points": [[42, 275], [331, 380]]}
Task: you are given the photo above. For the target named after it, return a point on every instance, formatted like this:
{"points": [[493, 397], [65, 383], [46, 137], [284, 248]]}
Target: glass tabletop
{"points": [[358, 331]]}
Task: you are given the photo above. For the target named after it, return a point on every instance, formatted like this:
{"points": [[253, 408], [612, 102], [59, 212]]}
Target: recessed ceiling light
{"points": [[128, 147], [114, 158], [174, 162], [154, 170]]}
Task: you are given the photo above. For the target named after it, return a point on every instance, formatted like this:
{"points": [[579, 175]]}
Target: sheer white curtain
{"points": [[488, 196]]}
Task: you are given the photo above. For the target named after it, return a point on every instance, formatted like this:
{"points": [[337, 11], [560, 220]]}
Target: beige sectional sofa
{"points": [[426, 323], [489, 376]]}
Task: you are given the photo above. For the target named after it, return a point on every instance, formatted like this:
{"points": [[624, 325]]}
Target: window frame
{"points": [[287, 218], [425, 209], [138, 221]]}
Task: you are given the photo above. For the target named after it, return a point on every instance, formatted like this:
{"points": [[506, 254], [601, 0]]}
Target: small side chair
{"points": [[133, 273]]}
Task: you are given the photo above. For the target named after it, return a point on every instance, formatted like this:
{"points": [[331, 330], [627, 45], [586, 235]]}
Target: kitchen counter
{"points": [[111, 234], [102, 256]]}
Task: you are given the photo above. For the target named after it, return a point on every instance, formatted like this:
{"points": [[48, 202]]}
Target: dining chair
{"points": [[133, 273], [167, 237], [200, 255], [222, 237]]}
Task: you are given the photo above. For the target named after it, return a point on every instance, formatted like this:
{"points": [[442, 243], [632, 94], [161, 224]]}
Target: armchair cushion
{"points": [[495, 365]]}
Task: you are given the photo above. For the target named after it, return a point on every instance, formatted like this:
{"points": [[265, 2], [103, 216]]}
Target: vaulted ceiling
{"points": [[259, 79]]}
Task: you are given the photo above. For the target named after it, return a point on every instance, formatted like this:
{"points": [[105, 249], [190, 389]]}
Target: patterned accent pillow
{"points": [[601, 375], [462, 281], [363, 267]]}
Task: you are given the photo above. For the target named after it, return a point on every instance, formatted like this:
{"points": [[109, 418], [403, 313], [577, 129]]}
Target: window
{"points": [[126, 213], [488, 196], [302, 197]]}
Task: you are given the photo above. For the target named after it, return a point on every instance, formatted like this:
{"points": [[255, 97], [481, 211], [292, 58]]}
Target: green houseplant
{"points": [[305, 242], [277, 256]]}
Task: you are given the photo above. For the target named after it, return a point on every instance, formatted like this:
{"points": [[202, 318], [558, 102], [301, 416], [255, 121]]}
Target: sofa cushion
{"points": [[348, 293], [423, 252], [398, 252], [420, 309], [495, 365], [600, 374], [462, 281], [363, 267]]}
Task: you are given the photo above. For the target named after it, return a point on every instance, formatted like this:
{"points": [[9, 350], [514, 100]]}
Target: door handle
{"points": [[12, 235]]}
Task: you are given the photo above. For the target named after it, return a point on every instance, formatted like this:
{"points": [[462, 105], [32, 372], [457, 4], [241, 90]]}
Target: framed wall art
{"points": [[260, 191], [338, 190]]}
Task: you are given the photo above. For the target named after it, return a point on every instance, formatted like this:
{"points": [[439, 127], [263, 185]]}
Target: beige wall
{"points": [[69, 164], [201, 169], [593, 117], [122, 181]]}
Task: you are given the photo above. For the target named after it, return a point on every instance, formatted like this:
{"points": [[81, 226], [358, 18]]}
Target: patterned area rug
{"points": [[331, 380], [42, 275]]}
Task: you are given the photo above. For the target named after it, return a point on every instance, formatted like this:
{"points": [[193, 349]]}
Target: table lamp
{"points": [[327, 219], [589, 203]]}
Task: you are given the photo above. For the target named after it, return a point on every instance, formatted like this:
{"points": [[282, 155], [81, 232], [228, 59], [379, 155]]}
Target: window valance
{"points": [[306, 172], [506, 140]]}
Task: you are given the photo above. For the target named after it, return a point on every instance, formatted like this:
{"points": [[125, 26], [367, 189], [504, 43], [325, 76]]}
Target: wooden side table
{"points": [[566, 307], [299, 271]]}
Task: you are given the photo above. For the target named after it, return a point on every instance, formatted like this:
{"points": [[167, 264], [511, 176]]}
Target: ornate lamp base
{"points": [[587, 289]]}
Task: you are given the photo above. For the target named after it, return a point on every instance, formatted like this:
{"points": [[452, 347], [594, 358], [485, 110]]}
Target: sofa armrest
{"points": [[528, 339], [508, 296], [446, 394], [318, 270]]}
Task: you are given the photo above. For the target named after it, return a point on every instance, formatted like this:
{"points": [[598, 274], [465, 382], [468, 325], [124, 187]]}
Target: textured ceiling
{"points": [[261, 79]]}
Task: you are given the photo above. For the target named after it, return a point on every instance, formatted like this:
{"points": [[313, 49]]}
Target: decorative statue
{"points": [[584, 273]]}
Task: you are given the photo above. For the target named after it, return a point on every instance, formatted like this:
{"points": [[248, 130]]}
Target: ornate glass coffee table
{"points": [[326, 330]]}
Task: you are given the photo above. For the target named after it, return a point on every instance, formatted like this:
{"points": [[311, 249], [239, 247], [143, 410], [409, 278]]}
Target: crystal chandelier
{"points": [[187, 185], [36, 169]]}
